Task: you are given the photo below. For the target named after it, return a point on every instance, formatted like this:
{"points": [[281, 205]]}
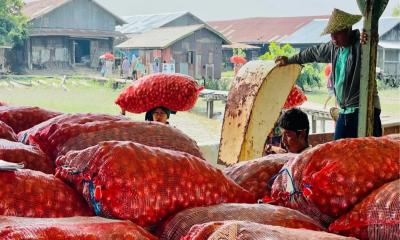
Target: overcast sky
{"points": [[232, 9]]}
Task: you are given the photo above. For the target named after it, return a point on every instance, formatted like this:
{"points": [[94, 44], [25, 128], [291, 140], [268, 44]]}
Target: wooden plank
{"points": [[320, 138]]}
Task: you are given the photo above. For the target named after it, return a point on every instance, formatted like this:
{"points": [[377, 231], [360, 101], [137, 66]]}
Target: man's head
{"points": [[158, 114], [341, 38], [340, 25], [295, 129]]}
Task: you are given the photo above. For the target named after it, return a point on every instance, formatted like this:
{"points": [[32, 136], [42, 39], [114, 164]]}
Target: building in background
{"points": [[179, 42], [195, 50], [65, 33]]}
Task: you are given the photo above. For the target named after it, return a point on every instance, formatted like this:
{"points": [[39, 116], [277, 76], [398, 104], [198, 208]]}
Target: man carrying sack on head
{"points": [[344, 52]]}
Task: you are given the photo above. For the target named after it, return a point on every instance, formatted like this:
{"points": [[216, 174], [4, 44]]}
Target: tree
{"points": [[276, 50], [238, 52], [310, 75], [396, 10], [12, 22]]}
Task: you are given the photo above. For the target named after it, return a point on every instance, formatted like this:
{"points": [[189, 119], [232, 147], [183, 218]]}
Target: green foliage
{"points": [[276, 50], [239, 52], [309, 77], [223, 84], [381, 85], [228, 74], [12, 22]]}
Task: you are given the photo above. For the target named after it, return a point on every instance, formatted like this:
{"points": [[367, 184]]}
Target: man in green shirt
{"points": [[344, 52]]}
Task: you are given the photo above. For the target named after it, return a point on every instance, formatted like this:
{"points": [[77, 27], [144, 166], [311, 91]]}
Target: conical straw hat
{"points": [[340, 20]]}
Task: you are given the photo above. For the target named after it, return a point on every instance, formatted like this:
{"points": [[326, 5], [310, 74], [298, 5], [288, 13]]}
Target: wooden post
{"points": [[371, 10], [210, 108], [314, 123], [322, 125]]}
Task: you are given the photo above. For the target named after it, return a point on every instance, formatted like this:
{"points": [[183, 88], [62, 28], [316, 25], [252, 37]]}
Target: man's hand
{"points": [[281, 61], [364, 37], [269, 149]]}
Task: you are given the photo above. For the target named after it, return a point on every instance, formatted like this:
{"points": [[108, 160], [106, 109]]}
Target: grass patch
{"points": [[89, 96], [227, 74]]}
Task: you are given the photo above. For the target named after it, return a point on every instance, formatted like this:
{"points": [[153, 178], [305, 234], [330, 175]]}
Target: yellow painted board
{"points": [[254, 103]]}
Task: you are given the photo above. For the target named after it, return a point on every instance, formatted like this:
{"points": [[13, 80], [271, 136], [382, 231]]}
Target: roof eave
{"points": [[120, 20], [31, 18], [225, 40]]}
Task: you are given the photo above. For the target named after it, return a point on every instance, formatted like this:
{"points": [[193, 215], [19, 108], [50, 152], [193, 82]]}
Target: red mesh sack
{"points": [[32, 157], [394, 136], [127, 180], [6, 132], [77, 118], [176, 92], [296, 98], [28, 193], [180, 224], [22, 118], [245, 230], [74, 228], [375, 217], [255, 175], [328, 180], [59, 139], [328, 70]]}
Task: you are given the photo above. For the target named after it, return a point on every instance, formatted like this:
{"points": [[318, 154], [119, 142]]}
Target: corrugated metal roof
{"points": [[38, 8], [35, 9], [240, 45], [311, 32], [262, 29], [161, 38], [143, 23], [385, 24], [389, 44], [73, 33]]}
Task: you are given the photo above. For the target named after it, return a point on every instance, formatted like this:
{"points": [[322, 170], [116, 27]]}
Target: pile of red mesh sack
{"points": [[6, 132], [77, 118], [176, 92], [255, 175], [127, 180], [242, 230], [394, 136], [375, 217], [22, 118], [74, 228], [59, 139], [180, 224], [31, 156], [28, 193], [328, 180], [296, 98]]}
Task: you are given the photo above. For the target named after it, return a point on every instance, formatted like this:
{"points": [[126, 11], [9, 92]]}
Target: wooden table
{"points": [[213, 95]]}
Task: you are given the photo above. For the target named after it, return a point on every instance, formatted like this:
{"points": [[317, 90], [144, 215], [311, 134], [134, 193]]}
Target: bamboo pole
{"points": [[371, 10]]}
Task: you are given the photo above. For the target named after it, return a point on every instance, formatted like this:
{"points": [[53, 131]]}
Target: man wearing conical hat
{"points": [[344, 52]]}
